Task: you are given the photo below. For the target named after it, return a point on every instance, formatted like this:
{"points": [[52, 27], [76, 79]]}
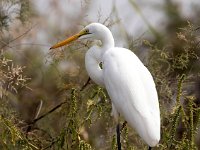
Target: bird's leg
{"points": [[149, 148], [118, 137]]}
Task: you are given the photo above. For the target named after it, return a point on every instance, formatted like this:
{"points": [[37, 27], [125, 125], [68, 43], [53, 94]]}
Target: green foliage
{"points": [[71, 117], [12, 137], [167, 64]]}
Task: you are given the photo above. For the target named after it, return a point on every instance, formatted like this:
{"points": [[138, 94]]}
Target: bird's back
{"points": [[133, 93]]}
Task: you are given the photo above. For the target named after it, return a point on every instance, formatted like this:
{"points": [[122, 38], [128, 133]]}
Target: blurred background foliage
{"points": [[45, 105]]}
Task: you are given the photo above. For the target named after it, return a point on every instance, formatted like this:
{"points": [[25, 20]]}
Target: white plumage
{"points": [[133, 92], [128, 82]]}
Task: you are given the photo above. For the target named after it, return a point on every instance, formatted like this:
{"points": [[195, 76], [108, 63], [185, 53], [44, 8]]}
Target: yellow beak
{"points": [[68, 40]]}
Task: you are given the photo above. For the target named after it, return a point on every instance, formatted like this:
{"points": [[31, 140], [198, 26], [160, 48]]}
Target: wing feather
{"points": [[133, 93]]}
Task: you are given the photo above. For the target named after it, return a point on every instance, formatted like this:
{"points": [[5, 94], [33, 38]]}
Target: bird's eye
{"points": [[86, 31]]}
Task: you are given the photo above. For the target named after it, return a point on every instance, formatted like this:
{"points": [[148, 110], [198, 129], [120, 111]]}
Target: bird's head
{"points": [[93, 30]]}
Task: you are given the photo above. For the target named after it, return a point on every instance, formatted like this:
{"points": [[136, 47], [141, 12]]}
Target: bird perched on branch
{"points": [[128, 82]]}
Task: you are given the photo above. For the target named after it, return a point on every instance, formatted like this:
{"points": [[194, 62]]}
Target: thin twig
{"points": [[50, 111], [197, 28], [44, 115], [30, 44], [38, 109], [84, 86], [6, 44]]}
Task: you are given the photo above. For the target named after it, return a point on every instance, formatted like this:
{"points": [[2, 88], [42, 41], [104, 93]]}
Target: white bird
{"points": [[128, 82]]}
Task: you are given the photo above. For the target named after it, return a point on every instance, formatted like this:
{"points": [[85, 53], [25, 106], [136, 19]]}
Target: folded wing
{"points": [[133, 93]]}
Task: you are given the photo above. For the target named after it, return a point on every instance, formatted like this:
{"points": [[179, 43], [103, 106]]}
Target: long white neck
{"points": [[107, 40], [94, 55], [92, 60]]}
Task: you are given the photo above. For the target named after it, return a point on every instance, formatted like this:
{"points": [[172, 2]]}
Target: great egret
{"points": [[128, 82]]}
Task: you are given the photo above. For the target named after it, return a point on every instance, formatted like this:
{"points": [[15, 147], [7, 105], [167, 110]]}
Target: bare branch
{"points": [[26, 32], [84, 86]]}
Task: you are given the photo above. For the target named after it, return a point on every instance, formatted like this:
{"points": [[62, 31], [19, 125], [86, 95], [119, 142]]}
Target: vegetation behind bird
{"points": [[74, 119]]}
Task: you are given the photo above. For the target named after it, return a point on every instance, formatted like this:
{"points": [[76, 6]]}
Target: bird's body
{"points": [[131, 89], [127, 81], [132, 92]]}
